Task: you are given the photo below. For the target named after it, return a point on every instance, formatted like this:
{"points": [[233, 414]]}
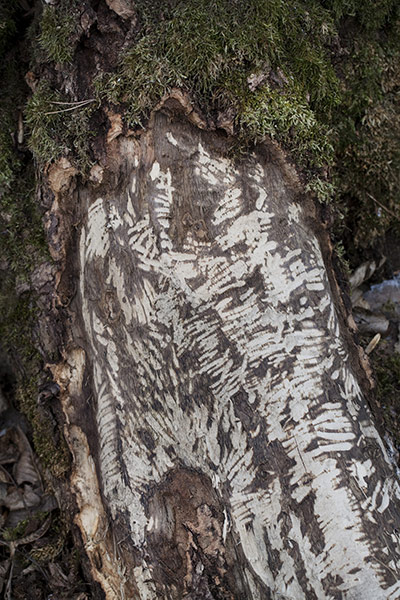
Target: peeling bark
{"points": [[210, 386]]}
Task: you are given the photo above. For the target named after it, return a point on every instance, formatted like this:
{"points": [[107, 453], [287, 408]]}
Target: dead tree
{"points": [[214, 400], [211, 387]]}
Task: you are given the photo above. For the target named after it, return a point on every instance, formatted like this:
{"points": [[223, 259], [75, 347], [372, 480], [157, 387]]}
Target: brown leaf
{"points": [[3, 491], [4, 566], [8, 447], [14, 499], [20, 498], [5, 477], [31, 497], [24, 470], [3, 518]]}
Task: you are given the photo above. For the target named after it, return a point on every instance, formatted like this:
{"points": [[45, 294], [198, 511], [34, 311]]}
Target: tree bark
{"points": [[213, 398], [222, 443]]}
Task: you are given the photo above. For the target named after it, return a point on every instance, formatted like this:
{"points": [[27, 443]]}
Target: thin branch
{"points": [[383, 206], [77, 101], [57, 112]]}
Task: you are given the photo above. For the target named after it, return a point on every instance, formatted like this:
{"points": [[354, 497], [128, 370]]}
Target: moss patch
{"points": [[368, 144], [58, 127], [320, 77], [22, 241], [50, 447], [57, 28], [265, 60], [22, 247]]}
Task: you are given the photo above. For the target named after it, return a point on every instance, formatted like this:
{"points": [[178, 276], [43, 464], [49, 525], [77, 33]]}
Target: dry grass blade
{"points": [[24, 470], [63, 110], [373, 343], [7, 594], [71, 103], [26, 466], [4, 567]]}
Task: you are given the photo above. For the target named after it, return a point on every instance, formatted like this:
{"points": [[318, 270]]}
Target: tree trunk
{"points": [[214, 399], [210, 378]]}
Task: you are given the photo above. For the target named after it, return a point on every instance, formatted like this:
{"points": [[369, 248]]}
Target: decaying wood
{"points": [[209, 387]]}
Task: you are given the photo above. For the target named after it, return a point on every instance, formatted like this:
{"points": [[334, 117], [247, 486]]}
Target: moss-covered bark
{"points": [[320, 77]]}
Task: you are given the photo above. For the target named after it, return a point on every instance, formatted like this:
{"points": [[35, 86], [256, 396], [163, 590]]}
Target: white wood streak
{"points": [[271, 325]]}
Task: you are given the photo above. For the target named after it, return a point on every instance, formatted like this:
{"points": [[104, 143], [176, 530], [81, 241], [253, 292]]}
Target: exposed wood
{"points": [[233, 444]]}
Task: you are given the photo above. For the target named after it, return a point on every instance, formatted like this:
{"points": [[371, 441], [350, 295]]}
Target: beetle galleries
{"points": [[217, 352]]}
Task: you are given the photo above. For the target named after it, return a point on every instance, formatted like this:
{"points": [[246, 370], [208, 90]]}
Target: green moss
{"points": [[340, 253], [371, 15], [328, 88], [368, 144], [212, 51], [10, 534], [22, 247], [12, 98], [322, 189], [19, 315], [7, 24], [60, 530], [22, 241], [288, 118], [57, 127], [215, 52], [8, 161], [57, 27]]}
